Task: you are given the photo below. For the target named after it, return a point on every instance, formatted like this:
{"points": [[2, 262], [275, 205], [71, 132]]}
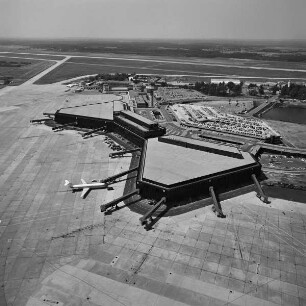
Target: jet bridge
{"points": [[114, 177], [104, 207], [120, 153], [148, 215]]}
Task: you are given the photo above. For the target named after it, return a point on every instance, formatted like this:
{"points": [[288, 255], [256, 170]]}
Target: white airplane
{"points": [[86, 187], [72, 85]]}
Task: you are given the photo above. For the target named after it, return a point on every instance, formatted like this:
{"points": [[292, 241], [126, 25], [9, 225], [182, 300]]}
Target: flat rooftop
{"points": [[210, 145], [170, 164], [95, 106], [138, 117]]}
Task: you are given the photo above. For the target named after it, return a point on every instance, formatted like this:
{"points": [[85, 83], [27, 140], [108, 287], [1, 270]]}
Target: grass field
{"points": [[78, 66], [93, 59], [32, 55], [89, 57], [294, 133], [67, 71], [212, 67], [25, 72]]}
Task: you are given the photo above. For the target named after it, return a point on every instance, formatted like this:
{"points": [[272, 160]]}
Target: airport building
{"points": [[177, 168], [169, 167], [113, 117]]}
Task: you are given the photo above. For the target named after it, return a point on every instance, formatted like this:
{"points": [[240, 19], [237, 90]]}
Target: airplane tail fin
{"points": [[67, 183]]}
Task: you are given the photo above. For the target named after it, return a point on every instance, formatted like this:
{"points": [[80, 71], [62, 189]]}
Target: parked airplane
{"points": [[86, 187], [72, 85]]}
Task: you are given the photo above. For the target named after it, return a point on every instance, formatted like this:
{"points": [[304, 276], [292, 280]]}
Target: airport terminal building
{"points": [[176, 167], [169, 166]]}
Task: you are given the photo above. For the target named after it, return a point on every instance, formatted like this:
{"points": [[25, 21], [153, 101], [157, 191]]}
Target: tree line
{"points": [[223, 90], [109, 77], [294, 91]]}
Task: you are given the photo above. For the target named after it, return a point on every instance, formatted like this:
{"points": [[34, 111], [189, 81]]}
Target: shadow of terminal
{"points": [[152, 221]]}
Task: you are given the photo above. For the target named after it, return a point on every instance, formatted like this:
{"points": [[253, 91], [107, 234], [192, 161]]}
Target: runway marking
{"points": [[191, 63], [31, 58], [7, 108], [191, 73]]}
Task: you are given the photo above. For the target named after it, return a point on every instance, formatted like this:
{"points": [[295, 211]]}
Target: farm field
{"points": [[24, 72], [78, 66]]}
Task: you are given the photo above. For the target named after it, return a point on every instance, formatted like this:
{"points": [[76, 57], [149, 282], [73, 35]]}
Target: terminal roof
{"points": [[101, 110], [170, 164]]}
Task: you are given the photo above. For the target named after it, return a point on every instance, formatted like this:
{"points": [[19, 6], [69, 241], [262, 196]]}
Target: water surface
{"points": [[293, 114]]}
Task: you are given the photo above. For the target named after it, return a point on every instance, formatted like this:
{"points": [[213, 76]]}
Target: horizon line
{"points": [[154, 39]]}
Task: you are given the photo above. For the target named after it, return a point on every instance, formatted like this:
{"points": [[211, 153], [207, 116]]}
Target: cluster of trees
{"points": [[255, 90], [294, 91], [275, 89], [223, 90], [114, 77], [110, 77]]}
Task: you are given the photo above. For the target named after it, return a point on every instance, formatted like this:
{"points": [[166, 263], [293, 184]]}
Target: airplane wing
{"points": [[83, 181], [84, 192]]}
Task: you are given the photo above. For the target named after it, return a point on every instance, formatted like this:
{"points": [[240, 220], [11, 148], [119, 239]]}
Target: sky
{"points": [[153, 19]]}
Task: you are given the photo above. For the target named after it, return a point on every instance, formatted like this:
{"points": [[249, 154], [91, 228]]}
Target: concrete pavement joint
{"points": [[280, 237]]}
